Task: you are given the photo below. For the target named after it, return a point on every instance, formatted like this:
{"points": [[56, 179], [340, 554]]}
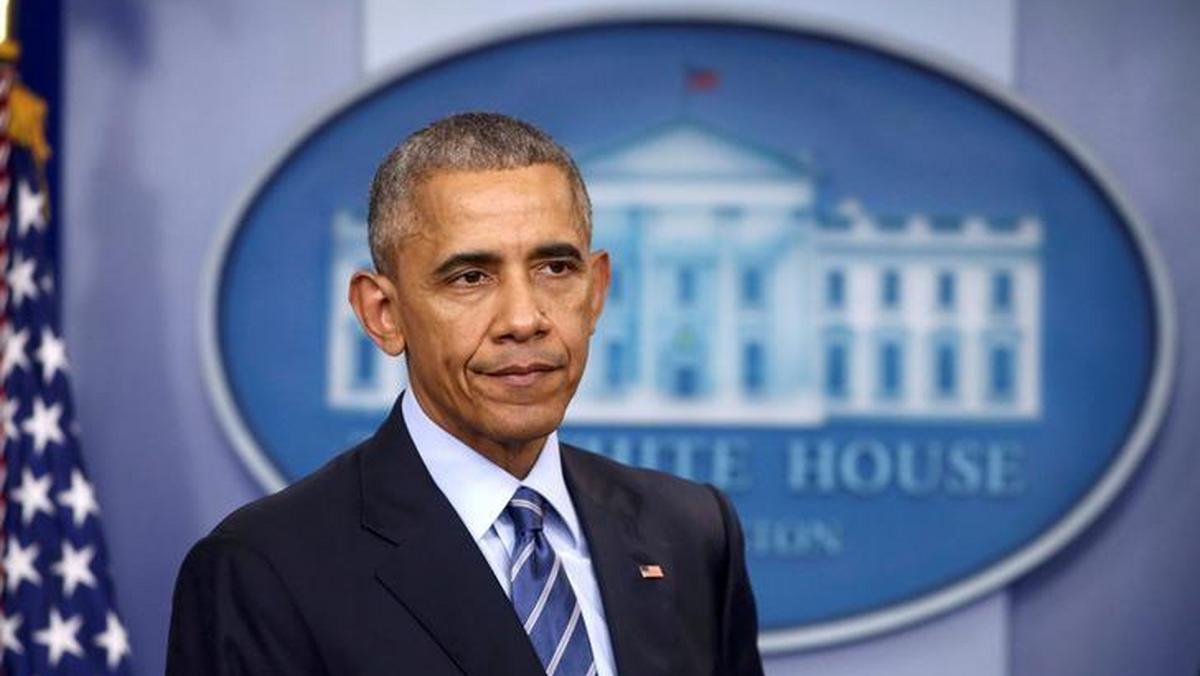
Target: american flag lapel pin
{"points": [[651, 571]]}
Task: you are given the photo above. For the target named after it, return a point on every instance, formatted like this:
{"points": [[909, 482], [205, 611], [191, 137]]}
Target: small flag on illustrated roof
{"points": [[701, 79]]}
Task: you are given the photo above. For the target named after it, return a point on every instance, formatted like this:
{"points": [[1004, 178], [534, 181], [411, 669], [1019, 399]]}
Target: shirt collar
{"points": [[477, 488]]}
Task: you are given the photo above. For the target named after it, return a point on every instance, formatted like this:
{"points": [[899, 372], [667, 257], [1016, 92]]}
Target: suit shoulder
{"points": [[671, 495], [325, 498]]}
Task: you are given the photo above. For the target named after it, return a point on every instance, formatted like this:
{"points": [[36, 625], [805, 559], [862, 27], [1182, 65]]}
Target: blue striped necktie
{"points": [[542, 594]]}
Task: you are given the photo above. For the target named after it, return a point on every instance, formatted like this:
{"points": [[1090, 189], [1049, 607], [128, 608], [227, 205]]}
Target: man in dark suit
{"points": [[463, 538]]}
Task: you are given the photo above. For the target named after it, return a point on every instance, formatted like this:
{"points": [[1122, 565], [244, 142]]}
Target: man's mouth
{"points": [[522, 374]]}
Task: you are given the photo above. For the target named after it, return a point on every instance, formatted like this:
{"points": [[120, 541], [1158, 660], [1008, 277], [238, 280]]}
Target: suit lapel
{"points": [[639, 611], [436, 569]]}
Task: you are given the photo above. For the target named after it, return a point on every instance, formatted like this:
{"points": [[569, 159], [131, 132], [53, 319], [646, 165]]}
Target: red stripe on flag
{"points": [[6, 80]]}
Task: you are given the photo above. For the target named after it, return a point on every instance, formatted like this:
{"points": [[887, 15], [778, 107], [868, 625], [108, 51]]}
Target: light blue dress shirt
{"points": [[479, 490]]}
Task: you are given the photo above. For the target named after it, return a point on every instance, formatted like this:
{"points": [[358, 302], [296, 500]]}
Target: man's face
{"points": [[497, 296]]}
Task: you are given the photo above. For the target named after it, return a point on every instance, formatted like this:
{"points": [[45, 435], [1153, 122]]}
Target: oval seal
{"points": [[905, 323]]}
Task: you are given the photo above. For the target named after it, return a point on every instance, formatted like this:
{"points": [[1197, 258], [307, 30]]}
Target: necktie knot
{"points": [[527, 509]]}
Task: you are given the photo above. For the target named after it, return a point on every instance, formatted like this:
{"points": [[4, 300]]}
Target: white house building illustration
{"points": [[736, 300]]}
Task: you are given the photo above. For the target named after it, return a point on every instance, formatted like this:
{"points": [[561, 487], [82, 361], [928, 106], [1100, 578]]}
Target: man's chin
{"points": [[521, 422]]}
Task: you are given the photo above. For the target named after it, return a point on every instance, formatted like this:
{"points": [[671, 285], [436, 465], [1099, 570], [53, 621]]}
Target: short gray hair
{"points": [[476, 141]]}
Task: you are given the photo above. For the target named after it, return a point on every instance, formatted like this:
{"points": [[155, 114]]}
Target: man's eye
{"points": [[471, 277], [559, 267]]}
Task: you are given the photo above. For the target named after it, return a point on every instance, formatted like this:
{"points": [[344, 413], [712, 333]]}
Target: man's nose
{"points": [[520, 316]]}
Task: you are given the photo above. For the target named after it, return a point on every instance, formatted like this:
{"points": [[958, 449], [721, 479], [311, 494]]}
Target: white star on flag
{"points": [[14, 353], [52, 353], [42, 425], [31, 209], [8, 633], [75, 567], [80, 497], [33, 495], [59, 636], [20, 280], [114, 640], [19, 564]]}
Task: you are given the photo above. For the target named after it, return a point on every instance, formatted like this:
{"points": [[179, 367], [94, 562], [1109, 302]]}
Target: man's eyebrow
{"points": [[467, 259], [557, 250]]}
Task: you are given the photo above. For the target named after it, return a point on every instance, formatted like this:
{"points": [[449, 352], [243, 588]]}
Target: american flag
{"points": [[58, 614]]}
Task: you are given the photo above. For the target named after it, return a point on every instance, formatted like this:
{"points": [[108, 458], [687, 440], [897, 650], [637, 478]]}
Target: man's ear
{"points": [[601, 275], [374, 299]]}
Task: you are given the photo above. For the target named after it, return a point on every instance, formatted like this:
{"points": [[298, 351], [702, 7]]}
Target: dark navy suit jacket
{"points": [[365, 568]]}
